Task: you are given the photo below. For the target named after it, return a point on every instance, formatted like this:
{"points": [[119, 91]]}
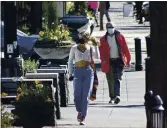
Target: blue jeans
{"points": [[83, 83], [114, 77]]}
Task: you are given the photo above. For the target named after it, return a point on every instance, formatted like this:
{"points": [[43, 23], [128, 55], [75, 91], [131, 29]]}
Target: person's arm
{"points": [[101, 51], [96, 53], [126, 50], [95, 49], [70, 60]]}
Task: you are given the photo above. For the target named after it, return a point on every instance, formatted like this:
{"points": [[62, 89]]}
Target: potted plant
{"points": [[30, 66], [6, 118], [34, 106], [54, 44]]}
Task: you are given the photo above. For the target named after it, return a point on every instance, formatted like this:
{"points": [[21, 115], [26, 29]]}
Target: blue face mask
{"points": [[110, 30]]}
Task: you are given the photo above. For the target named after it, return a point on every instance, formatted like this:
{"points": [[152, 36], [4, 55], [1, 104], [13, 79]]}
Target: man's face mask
{"points": [[110, 30]]}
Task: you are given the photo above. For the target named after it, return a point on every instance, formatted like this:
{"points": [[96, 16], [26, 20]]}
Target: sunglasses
{"points": [[110, 27]]}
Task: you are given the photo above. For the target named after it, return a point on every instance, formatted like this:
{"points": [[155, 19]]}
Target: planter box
{"points": [[51, 49], [34, 114]]}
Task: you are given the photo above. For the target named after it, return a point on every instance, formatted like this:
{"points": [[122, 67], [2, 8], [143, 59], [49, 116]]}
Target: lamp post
{"points": [[10, 37], [158, 62]]}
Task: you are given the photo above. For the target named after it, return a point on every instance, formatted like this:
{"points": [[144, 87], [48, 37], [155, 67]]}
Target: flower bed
{"points": [[54, 44], [34, 106]]}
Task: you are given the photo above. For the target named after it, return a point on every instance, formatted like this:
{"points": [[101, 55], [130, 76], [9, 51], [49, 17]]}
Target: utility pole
{"points": [[36, 16], [157, 77], [10, 38], [10, 63]]}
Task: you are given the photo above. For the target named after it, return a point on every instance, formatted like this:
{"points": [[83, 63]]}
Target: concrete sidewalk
{"points": [[130, 113], [128, 27]]}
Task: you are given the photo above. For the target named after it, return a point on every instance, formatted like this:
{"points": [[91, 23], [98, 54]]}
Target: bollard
{"points": [[148, 103], [157, 118], [147, 68], [148, 45], [138, 55]]}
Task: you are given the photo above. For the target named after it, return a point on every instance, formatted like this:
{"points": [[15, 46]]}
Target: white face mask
{"points": [[110, 30]]}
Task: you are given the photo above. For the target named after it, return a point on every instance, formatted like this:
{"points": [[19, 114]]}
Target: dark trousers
{"points": [[114, 77]]}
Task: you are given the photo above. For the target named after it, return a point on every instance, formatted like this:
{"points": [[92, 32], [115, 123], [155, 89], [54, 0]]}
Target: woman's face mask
{"points": [[110, 30]]}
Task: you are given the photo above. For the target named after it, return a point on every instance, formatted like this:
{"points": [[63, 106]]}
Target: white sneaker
{"points": [[82, 123], [112, 100]]}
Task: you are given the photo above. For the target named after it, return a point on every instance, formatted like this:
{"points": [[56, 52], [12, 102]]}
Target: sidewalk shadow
{"points": [[115, 106], [107, 105], [131, 28], [64, 125]]}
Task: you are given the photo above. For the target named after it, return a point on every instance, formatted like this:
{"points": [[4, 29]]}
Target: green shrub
{"points": [[61, 33], [6, 118], [34, 106], [50, 18], [29, 65]]}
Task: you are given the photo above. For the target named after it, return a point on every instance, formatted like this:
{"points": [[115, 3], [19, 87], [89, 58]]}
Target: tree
{"points": [[49, 9]]}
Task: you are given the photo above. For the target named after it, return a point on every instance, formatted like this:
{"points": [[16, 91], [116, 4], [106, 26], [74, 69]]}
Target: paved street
{"points": [[130, 113]]}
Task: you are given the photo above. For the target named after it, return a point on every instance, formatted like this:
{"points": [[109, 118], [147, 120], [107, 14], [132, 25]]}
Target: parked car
{"points": [[25, 42]]}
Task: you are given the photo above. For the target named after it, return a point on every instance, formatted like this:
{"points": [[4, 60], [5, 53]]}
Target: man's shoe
{"points": [[117, 100], [97, 26], [112, 100], [79, 116]]}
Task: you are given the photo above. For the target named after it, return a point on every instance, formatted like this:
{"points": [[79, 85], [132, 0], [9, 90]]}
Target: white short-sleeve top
{"points": [[76, 55]]}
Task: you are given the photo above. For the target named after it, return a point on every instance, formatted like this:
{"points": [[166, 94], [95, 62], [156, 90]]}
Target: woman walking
{"points": [[83, 73]]}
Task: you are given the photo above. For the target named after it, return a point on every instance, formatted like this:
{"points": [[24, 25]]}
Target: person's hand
{"points": [[71, 77], [128, 65], [94, 41], [103, 62]]}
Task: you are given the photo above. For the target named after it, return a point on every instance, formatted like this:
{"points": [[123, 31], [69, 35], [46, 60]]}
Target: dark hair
{"points": [[81, 41]]}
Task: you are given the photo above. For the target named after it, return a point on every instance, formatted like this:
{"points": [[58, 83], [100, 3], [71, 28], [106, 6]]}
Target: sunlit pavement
{"points": [[130, 113]]}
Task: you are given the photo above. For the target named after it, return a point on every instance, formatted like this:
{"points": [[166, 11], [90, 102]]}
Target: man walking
{"points": [[105, 5], [93, 6], [114, 55]]}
